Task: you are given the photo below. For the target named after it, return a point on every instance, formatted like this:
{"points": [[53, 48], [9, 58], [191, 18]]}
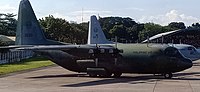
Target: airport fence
{"points": [[14, 56]]}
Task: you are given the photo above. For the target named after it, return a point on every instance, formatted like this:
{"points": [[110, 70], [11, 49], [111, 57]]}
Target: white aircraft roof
{"points": [[160, 35]]}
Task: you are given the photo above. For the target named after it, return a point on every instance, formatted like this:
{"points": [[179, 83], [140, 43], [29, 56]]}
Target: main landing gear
{"points": [[117, 74], [102, 72], [107, 75]]}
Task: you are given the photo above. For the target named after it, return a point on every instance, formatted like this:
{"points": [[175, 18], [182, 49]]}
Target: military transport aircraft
{"points": [[99, 57]]}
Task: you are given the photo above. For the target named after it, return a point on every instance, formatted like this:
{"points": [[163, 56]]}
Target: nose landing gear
{"points": [[167, 75]]}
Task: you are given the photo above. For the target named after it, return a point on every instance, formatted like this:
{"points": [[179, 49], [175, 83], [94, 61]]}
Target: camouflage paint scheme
{"points": [[125, 58]]}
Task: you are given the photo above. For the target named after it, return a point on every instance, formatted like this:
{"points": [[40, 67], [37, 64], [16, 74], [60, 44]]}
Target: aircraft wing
{"points": [[4, 49], [47, 47], [34, 47], [53, 47]]}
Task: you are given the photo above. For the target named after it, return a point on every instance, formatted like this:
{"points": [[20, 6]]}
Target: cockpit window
{"points": [[173, 52], [190, 48]]}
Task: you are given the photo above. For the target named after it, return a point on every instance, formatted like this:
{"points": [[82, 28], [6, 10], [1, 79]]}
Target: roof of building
{"points": [[160, 35], [7, 38], [167, 33]]}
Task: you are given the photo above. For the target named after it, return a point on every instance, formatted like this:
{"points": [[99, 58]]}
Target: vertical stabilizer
{"points": [[29, 31], [95, 34]]}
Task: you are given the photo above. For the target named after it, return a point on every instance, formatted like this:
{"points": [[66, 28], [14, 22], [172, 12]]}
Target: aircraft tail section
{"points": [[95, 34], [29, 31]]}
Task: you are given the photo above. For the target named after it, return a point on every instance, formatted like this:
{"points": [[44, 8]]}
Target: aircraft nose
{"points": [[187, 63]]}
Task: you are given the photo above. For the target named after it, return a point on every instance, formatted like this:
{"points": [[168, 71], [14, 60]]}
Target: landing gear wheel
{"points": [[117, 75], [168, 75]]}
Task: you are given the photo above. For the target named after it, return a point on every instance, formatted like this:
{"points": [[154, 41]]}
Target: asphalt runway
{"points": [[57, 79]]}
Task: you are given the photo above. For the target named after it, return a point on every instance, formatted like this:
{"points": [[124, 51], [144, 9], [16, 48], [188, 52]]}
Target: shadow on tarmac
{"points": [[139, 79], [124, 79], [59, 76], [196, 64]]}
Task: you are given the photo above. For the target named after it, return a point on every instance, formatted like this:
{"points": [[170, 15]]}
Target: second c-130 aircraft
{"points": [[99, 57]]}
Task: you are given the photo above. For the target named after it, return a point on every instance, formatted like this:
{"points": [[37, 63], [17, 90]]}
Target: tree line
{"points": [[126, 29], [8, 24]]}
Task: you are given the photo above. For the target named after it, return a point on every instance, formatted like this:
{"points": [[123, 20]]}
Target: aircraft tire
{"points": [[117, 75], [168, 75]]}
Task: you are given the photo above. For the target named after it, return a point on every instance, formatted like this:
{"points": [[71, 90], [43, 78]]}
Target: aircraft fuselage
{"points": [[103, 59], [133, 58]]}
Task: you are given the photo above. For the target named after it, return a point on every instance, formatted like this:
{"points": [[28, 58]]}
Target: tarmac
{"points": [[57, 79]]}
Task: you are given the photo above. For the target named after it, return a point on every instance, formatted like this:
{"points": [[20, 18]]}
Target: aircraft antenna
{"points": [[98, 17], [82, 17], [97, 40], [82, 23], [147, 41], [116, 42], [162, 39]]}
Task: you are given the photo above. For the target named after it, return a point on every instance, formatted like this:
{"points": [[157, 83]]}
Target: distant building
{"points": [[182, 36], [14, 55], [10, 40]]}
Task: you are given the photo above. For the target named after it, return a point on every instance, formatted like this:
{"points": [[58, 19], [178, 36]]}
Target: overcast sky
{"points": [[157, 11]]}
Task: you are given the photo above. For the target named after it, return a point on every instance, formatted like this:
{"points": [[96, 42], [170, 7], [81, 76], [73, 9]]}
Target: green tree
{"points": [[150, 29], [120, 32], [126, 29], [8, 24], [80, 32], [61, 30], [177, 25], [195, 25], [56, 28]]}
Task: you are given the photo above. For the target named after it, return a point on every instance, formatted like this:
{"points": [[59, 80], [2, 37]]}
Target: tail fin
{"points": [[29, 31], [95, 34]]}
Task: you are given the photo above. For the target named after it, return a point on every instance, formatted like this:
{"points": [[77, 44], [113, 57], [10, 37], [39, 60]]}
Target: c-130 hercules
{"points": [[99, 57]]}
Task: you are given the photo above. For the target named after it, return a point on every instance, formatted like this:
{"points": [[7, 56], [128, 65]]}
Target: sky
{"points": [[142, 11]]}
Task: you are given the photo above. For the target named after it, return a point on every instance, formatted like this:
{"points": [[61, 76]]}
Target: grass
{"points": [[27, 64]]}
